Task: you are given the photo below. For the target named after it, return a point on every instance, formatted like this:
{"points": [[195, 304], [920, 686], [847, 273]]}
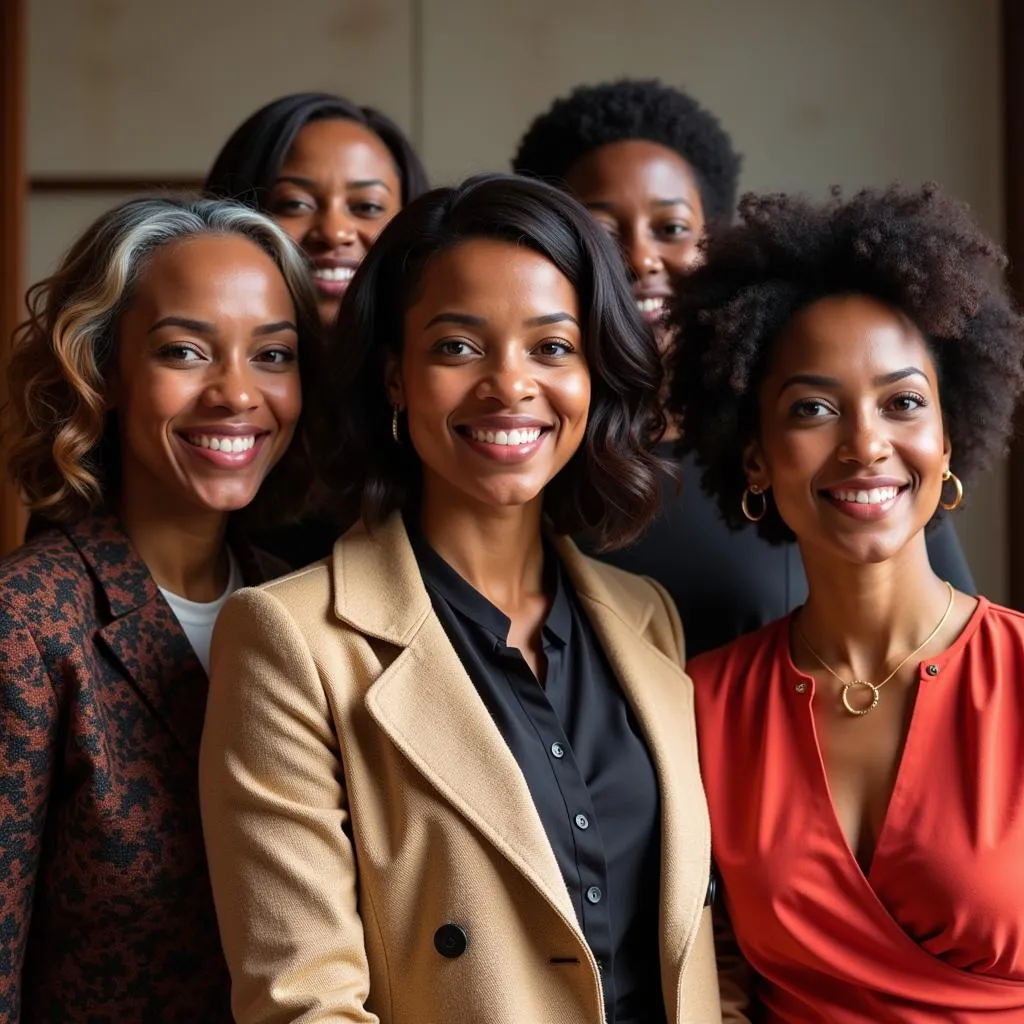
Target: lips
{"points": [[653, 307], [861, 500], [224, 450], [333, 276]]}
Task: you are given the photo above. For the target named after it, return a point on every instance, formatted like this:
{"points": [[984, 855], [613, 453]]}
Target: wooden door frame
{"points": [[13, 203], [1013, 194]]}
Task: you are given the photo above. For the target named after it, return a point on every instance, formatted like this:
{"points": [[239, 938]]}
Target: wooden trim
{"points": [[49, 184], [1013, 171], [13, 197]]}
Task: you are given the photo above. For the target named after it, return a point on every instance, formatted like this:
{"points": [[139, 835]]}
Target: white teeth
{"points": [[876, 496], [512, 438], [334, 273], [650, 305], [223, 444]]}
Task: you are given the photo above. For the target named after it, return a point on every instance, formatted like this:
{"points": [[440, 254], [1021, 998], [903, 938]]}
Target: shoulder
{"points": [[996, 626], [41, 570]]}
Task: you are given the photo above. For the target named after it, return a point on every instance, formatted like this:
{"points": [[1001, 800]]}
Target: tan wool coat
{"points": [[374, 849]]}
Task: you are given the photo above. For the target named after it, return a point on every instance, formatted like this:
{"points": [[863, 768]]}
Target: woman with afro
{"points": [[844, 371], [655, 169]]}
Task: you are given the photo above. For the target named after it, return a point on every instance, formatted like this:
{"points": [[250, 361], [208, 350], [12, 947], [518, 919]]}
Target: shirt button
{"points": [[594, 894], [582, 821], [801, 687], [932, 670], [557, 750]]}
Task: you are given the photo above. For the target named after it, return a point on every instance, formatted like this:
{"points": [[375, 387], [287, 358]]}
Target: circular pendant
{"points": [[859, 684]]}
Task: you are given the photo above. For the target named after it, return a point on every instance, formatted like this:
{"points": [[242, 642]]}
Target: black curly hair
{"points": [[919, 252], [592, 116]]}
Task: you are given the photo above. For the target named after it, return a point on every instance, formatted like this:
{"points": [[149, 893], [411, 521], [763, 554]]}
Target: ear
{"points": [[755, 467], [393, 381], [947, 448]]}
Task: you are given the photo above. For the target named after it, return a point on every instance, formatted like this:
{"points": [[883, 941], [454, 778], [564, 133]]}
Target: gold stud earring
{"points": [[745, 503], [949, 506]]}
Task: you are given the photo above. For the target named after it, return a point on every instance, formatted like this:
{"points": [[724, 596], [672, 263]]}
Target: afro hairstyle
{"points": [[592, 116], [919, 252]]}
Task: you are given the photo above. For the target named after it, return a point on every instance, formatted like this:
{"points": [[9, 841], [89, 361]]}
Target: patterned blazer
{"points": [[105, 905]]}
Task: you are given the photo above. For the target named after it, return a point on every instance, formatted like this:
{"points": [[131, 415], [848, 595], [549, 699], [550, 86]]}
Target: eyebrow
{"points": [[608, 206], [309, 183], [467, 320], [816, 381], [205, 327]]}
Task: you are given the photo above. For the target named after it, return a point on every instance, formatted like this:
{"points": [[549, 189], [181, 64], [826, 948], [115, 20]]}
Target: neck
{"points": [[497, 550], [862, 619], [185, 553]]}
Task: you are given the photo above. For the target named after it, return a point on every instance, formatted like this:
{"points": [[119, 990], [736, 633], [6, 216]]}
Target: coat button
{"points": [[450, 941], [712, 892]]}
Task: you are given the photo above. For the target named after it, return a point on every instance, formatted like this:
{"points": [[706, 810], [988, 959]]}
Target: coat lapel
{"points": [[429, 707], [143, 635], [661, 695]]}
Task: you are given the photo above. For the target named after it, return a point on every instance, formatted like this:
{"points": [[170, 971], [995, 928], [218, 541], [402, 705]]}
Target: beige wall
{"points": [[815, 92]]}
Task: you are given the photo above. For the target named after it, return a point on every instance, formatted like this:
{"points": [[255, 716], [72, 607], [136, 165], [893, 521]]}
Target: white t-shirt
{"points": [[197, 617]]}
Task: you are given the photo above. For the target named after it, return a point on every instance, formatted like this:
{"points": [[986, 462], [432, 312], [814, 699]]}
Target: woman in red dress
{"points": [[844, 367]]}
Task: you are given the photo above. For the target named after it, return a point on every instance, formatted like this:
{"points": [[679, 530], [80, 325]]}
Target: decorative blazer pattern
{"points": [[105, 905]]}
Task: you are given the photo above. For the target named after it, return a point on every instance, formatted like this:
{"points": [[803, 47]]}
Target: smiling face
{"points": [[647, 197], [337, 188], [852, 441], [493, 375], [206, 390]]}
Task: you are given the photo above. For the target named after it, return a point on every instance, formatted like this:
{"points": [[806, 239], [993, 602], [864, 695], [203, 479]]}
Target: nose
{"points": [[863, 442], [509, 380], [642, 255], [233, 387], [334, 227]]}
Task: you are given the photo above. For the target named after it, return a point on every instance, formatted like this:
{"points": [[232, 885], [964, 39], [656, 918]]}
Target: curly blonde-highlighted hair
{"points": [[60, 436]]}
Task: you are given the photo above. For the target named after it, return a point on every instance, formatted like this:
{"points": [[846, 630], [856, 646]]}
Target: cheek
{"points": [[571, 397], [285, 399], [153, 399], [294, 227]]}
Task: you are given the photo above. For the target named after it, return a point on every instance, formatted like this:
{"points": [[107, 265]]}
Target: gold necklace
{"points": [[863, 684]]}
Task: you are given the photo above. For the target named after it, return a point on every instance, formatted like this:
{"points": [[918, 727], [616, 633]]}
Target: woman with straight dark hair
{"points": [[449, 773], [332, 174], [656, 169]]}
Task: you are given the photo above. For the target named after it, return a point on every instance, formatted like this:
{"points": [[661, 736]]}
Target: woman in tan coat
{"points": [[449, 773]]}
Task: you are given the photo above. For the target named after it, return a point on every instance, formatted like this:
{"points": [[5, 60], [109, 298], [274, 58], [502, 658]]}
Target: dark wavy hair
{"points": [[592, 116], [918, 252], [609, 488], [248, 165]]}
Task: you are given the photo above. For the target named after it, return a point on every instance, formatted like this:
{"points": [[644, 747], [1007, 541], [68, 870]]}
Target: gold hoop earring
{"points": [[394, 425], [745, 503], [955, 503]]}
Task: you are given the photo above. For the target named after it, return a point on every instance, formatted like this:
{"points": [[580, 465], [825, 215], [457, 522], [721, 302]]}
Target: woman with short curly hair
{"points": [[844, 372], [449, 774], [655, 168], [155, 406]]}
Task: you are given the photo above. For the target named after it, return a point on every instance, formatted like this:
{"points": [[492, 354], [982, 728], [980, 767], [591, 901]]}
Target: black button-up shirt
{"points": [[587, 767]]}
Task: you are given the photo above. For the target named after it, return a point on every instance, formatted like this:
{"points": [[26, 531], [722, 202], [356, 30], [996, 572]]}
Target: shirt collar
{"points": [[439, 576]]}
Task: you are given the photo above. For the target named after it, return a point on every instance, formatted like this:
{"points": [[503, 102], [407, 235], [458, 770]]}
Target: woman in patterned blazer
{"points": [[155, 393]]}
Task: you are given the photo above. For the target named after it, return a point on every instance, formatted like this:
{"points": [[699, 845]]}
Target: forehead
{"points": [[850, 336], [494, 279], [212, 272], [324, 146], [636, 167]]}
